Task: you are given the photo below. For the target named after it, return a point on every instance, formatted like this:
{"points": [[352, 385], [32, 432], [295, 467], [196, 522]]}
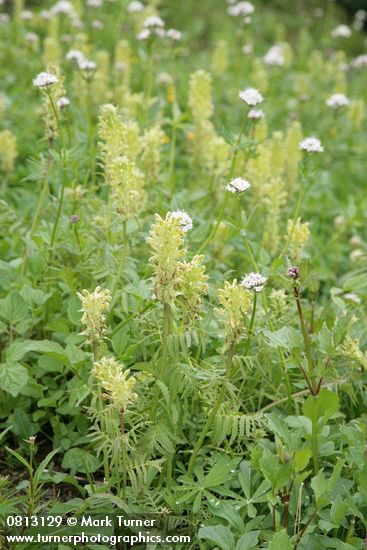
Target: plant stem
{"points": [[124, 454], [252, 322], [212, 414], [213, 232], [122, 259], [166, 328], [315, 445]]}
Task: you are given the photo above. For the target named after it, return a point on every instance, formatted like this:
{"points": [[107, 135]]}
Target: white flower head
{"points": [[360, 61], [98, 25], [4, 18], [173, 34], [135, 7], [153, 21], [255, 114], [238, 185], [63, 102], [87, 66], [274, 56], [75, 55], [94, 3], [254, 281], [311, 145], [251, 96], [63, 6], [44, 80], [143, 35], [31, 37], [184, 219], [341, 31], [241, 9], [247, 49], [337, 100], [26, 15]]}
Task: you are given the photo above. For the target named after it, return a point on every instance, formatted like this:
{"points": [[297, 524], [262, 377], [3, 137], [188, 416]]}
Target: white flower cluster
{"points": [[135, 7], [84, 64], [247, 49], [311, 145], [337, 100], [274, 56], [241, 9], [360, 61], [44, 80], [94, 3], [255, 114], [154, 26], [63, 6], [251, 96], [341, 31], [63, 102], [184, 219], [238, 185], [254, 281]]}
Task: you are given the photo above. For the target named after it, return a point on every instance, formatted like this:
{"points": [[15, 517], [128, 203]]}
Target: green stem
{"points": [[172, 153], [315, 446], [306, 339], [166, 328], [122, 259], [213, 232], [251, 327], [211, 416]]}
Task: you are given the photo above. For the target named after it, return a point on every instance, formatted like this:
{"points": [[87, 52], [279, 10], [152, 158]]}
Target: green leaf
{"points": [[219, 535], [23, 427], [362, 482], [338, 510], [319, 486], [270, 467], [248, 540], [301, 459], [327, 405], [13, 378], [19, 349], [43, 465], [286, 337], [280, 541], [80, 460], [13, 308]]}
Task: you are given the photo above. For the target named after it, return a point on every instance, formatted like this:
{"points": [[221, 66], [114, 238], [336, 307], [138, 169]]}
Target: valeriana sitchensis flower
{"points": [[311, 145], [63, 102], [44, 80], [236, 302], [183, 218], [254, 281], [359, 62], [337, 100], [241, 9], [341, 31], [166, 240], [135, 7], [153, 21], [238, 185], [115, 379], [75, 56], [255, 114], [174, 34], [94, 304], [274, 56], [293, 272], [251, 97], [247, 49]]}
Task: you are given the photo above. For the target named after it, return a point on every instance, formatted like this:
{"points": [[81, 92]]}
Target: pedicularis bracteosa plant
{"points": [[183, 267]]}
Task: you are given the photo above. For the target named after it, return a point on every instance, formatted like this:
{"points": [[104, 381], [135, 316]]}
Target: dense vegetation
{"points": [[183, 268]]}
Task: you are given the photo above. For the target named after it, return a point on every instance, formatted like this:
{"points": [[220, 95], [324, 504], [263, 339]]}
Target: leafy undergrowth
{"points": [[183, 268]]}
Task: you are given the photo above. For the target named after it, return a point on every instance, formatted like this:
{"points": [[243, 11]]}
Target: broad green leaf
{"points": [[320, 487], [248, 540], [13, 378], [286, 337], [219, 535], [19, 349], [280, 541], [338, 510], [301, 459], [327, 405], [80, 460], [13, 308]]}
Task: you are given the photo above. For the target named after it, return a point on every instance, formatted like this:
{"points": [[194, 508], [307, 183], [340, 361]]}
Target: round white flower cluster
{"points": [[135, 7], [84, 64], [44, 80], [184, 219], [255, 114], [153, 21], [274, 56], [311, 145], [254, 281], [341, 31], [63, 6], [337, 100], [241, 9], [247, 49], [360, 61], [173, 34], [94, 3], [63, 102], [238, 185], [251, 96]]}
